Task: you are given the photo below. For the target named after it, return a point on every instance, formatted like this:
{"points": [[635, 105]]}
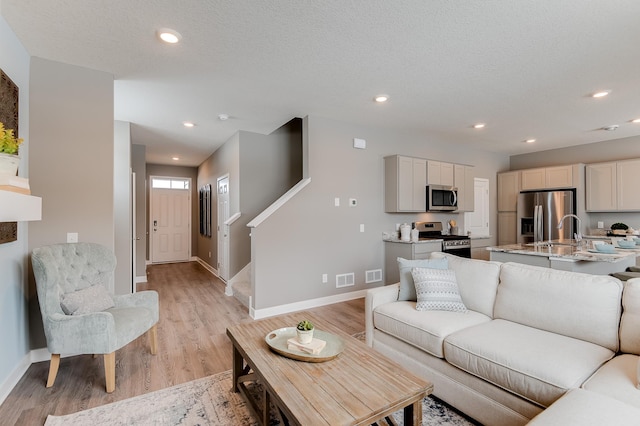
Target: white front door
{"points": [[223, 230], [170, 225]]}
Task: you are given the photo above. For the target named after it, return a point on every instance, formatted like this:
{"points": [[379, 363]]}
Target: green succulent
{"points": [[8, 142], [305, 325]]}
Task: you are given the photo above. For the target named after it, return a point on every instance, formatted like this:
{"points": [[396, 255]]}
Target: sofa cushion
{"points": [[407, 286], [535, 364], [583, 408], [618, 379], [630, 322], [477, 281], [437, 290], [423, 329], [90, 299], [582, 306]]}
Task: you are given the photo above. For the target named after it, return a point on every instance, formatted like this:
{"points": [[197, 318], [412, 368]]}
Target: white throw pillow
{"points": [[90, 299], [437, 290]]}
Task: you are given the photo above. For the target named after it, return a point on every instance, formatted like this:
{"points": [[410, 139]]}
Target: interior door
{"points": [[223, 231], [170, 225]]}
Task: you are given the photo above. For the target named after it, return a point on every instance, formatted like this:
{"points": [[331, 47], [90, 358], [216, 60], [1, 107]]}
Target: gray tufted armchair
{"points": [[80, 314]]}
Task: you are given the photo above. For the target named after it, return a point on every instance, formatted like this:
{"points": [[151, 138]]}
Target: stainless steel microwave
{"points": [[442, 198]]}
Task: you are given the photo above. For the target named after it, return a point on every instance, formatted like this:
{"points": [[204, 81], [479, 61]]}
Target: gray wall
{"points": [[261, 168], [71, 160], [308, 236], [599, 152], [139, 167], [173, 171], [14, 332], [122, 205]]}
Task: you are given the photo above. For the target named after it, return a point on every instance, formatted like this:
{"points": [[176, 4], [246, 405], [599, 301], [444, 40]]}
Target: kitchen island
{"points": [[566, 256]]}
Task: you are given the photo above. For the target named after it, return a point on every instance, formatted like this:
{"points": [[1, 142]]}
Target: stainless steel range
{"points": [[459, 245]]}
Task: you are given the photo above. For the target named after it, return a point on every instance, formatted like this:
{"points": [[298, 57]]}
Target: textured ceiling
{"points": [[525, 68]]}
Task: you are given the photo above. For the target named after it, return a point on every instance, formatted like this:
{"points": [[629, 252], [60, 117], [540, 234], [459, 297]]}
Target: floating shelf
{"points": [[16, 207]]}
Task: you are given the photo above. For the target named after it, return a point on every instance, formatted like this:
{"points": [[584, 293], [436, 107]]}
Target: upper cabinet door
{"points": [[559, 177], [628, 179], [533, 179], [508, 190], [601, 187]]}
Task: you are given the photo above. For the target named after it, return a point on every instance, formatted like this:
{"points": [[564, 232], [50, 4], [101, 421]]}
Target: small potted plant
{"points": [[305, 332], [9, 144]]}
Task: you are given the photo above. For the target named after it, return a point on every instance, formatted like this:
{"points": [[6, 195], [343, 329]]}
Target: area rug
{"points": [[207, 401]]}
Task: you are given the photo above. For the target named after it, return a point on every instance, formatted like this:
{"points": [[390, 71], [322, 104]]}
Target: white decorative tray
{"points": [[277, 341]]}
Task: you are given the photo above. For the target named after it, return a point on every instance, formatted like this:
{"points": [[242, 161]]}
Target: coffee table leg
{"points": [[237, 368], [413, 414]]}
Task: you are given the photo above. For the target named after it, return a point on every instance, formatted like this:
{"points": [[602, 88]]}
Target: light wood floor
{"points": [[192, 343]]}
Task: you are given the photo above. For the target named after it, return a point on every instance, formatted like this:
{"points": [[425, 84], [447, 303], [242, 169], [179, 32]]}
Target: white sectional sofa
{"points": [[533, 340]]}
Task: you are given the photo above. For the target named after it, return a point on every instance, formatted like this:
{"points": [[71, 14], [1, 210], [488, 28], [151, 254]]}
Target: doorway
{"points": [[223, 230], [170, 219]]}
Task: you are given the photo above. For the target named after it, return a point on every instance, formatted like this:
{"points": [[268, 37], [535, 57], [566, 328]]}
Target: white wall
{"points": [[122, 205], [309, 237], [14, 332]]}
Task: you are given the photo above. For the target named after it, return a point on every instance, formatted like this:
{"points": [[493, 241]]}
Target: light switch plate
{"points": [[359, 143]]}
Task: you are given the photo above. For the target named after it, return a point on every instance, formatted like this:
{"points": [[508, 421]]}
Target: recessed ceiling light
{"points": [[188, 124], [223, 117], [637, 120], [479, 125], [381, 98], [601, 94], [169, 36], [611, 128], [530, 141], [175, 158]]}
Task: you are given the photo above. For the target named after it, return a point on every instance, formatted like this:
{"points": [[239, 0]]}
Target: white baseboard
{"points": [[7, 386], [305, 304], [206, 266], [141, 279]]}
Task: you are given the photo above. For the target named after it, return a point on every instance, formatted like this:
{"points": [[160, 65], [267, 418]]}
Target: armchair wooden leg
{"points": [[54, 364], [153, 339], [110, 371]]}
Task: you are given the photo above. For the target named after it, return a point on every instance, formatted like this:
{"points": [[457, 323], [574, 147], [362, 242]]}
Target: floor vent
{"points": [[345, 280], [373, 276]]}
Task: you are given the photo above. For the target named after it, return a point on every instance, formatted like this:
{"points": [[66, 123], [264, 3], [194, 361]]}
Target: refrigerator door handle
{"points": [[540, 224], [535, 224]]}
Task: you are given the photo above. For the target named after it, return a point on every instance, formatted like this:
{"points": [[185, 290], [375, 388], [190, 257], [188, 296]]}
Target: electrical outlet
{"points": [[336, 202], [325, 278], [72, 237], [362, 227], [600, 225], [353, 202]]}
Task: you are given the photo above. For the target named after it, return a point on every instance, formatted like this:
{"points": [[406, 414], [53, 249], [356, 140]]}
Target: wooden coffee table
{"points": [[358, 387]]}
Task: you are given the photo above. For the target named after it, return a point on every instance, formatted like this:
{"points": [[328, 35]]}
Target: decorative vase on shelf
{"points": [[9, 164], [9, 145]]}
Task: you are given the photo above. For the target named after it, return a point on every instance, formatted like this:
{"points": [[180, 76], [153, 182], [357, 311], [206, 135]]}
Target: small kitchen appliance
{"points": [[458, 245]]}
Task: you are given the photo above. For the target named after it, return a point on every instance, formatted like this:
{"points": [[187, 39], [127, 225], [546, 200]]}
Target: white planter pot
{"points": [[9, 164], [305, 337]]}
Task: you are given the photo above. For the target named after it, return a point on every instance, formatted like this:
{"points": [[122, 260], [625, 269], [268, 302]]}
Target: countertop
{"points": [[398, 240], [567, 252]]}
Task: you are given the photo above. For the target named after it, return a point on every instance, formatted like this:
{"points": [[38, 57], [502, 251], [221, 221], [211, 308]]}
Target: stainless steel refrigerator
{"points": [[539, 213]]}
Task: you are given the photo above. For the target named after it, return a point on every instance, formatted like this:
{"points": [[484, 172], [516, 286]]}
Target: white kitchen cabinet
{"points": [[559, 177], [463, 180], [507, 228], [627, 182], [601, 187], [405, 184], [547, 178], [411, 251], [508, 190], [532, 179], [440, 173]]}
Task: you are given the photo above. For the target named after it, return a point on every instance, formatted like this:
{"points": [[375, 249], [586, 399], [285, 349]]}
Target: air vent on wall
{"points": [[345, 280], [373, 276]]}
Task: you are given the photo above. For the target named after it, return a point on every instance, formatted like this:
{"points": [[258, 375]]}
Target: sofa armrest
{"points": [[374, 298], [94, 332]]}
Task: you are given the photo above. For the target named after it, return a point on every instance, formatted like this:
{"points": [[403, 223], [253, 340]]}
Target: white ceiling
{"points": [[526, 68]]}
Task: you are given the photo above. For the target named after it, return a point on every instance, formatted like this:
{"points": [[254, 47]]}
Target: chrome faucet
{"points": [[578, 234]]}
